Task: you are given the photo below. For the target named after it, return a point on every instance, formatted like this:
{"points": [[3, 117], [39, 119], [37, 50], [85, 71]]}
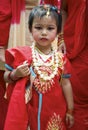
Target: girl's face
{"points": [[44, 30]]}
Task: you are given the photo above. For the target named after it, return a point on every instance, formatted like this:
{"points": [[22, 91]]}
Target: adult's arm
{"points": [[64, 12]]}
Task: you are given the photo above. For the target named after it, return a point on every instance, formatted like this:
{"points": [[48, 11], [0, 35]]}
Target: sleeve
{"points": [[16, 56], [67, 68]]}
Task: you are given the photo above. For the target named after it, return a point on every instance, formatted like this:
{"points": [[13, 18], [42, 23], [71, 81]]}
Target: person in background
{"points": [[35, 74], [75, 34], [5, 20], [73, 40]]}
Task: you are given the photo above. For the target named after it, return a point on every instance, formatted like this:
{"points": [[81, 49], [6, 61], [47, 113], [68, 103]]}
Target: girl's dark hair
{"points": [[41, 10]]}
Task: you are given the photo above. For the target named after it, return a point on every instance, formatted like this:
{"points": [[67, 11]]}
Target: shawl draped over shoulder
{"points": [[17, 114]]}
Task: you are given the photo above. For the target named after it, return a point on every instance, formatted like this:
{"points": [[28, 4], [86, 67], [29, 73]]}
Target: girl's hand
{"points": [[21, 71], [69, 120]]}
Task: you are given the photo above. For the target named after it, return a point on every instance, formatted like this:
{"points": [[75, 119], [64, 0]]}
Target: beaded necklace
{"points": [[37, 62], [46, 70]]}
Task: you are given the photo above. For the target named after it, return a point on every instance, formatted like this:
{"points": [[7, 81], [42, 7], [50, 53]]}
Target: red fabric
{"points": [[5, 21], [10, 12], [75, 35], [76, 40], [17, 7], [52, 2], [75, 32], [17, 118], [3, 101], [52, 102]]}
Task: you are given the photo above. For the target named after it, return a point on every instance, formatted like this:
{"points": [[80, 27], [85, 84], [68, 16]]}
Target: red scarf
{"points": [[17, 117]]}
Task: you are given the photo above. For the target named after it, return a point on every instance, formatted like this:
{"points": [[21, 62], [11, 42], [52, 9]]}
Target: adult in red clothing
{"points": [[11, 12], [5, 20], [75, 35], [75, 29], [75, 21]]}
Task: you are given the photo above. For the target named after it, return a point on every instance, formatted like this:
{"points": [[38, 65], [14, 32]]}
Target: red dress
{"points": [[47, 107], [76, 40], [75, 36]]}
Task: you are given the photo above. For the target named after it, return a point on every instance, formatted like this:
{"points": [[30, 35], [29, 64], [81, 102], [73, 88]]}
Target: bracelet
{"points": [[70, 111], [9, 76]]}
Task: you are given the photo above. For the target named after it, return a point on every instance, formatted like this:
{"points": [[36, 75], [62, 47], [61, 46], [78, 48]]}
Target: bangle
{"points": [[9, 76], [70, 111]]}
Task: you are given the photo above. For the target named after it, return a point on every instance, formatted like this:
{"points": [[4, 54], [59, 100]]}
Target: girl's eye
{"points": [[50, 28], [38, 28]]}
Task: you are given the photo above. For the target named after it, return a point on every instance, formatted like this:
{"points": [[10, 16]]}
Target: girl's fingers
{"points": [[69, 120], [25, 62], [27, 72]]}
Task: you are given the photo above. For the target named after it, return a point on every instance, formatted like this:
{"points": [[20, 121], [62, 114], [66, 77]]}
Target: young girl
{"points": [[35, 78]]}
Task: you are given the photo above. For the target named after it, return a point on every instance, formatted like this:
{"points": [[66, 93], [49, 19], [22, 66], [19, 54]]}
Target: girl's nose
{"points": [[44, 32]]}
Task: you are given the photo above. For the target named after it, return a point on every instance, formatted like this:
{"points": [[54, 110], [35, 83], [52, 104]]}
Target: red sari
{"points": [[75, 36], [5, 20], [45, 111]]}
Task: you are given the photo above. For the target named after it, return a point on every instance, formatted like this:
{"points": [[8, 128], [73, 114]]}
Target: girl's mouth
{"points": [[44, 39]]}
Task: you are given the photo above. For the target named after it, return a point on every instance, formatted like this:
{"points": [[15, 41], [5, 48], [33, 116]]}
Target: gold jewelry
{"points": [[36, 64], [70, 111], [46, 70], [60, 34], [60, 42], [48, 12]]}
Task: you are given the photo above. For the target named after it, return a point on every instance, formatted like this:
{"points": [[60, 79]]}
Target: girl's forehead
{"points": [[44, 20]]}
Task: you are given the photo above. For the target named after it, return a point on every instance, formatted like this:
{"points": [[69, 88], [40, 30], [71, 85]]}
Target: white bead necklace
{"points": [[54, 63], [41, 62]]}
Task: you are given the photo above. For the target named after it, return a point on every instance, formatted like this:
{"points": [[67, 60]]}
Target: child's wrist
{"points": [[12, 77], [70, 111]]}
